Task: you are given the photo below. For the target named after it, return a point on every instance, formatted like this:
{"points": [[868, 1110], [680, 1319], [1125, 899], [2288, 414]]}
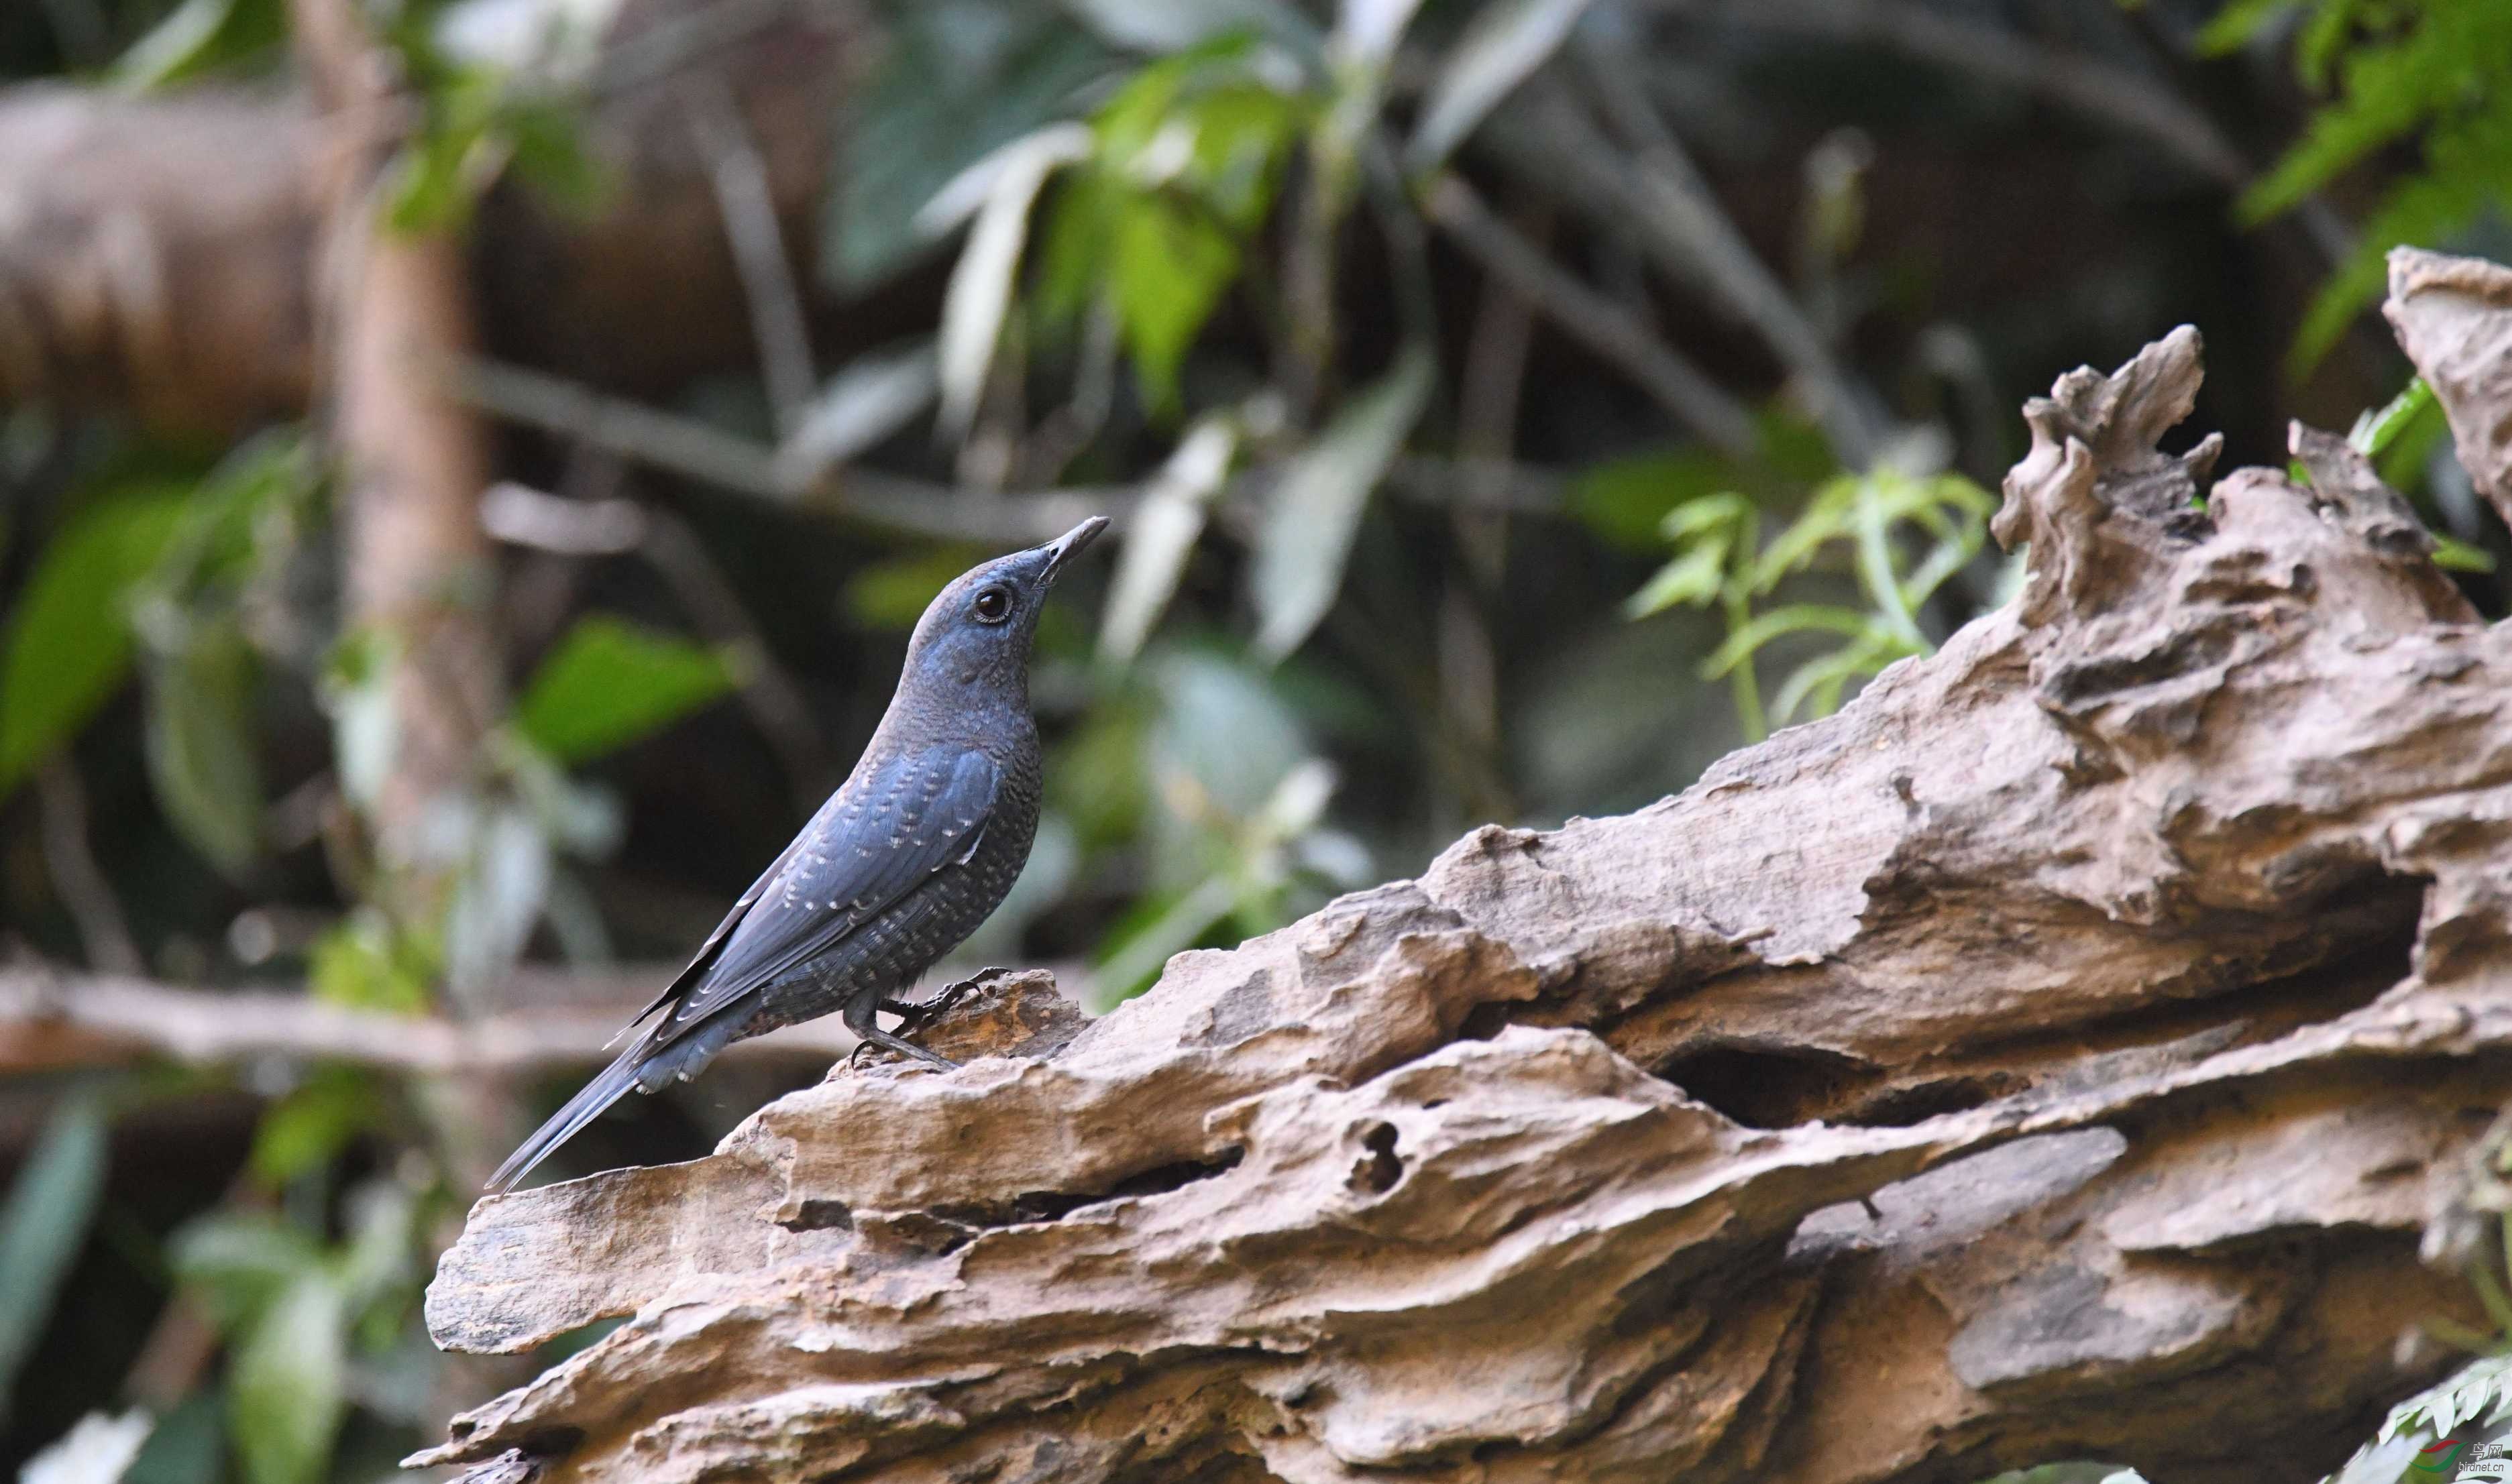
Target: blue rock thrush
{"points": [[907, 857]]}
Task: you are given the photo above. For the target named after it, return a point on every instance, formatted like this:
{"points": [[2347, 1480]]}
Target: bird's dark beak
{"points": [[1067, 546]]}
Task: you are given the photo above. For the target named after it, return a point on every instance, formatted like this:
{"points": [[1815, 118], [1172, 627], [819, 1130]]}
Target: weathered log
{"points": [[2055, 1053], [2455, 317]]}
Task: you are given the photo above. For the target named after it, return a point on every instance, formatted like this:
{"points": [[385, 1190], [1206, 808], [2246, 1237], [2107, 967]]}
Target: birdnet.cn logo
{"points": [[2445, 1459]]}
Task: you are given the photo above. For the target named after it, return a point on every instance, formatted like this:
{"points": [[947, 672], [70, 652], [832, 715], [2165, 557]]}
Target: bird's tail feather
{"points": [[589, 1103]]}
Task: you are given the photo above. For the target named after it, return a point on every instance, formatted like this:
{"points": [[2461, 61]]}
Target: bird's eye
{"points": [[993, 604]]}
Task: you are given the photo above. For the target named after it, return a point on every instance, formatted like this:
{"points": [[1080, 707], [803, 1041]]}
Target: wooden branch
{"points": [[2055, 1054], [51, 1022], [60, 1022]]}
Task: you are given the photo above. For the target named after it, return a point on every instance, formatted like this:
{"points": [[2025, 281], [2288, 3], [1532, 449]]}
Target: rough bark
{"points": [[2057, 1053], [157, 254]]}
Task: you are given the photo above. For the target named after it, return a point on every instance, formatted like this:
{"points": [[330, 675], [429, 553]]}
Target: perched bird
{"points": [[914, 851]]}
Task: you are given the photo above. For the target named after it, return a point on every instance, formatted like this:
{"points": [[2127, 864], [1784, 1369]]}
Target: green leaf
{"points": [[1821, 679], [1073, 249], [1501, 45], [44, 1224], [2237, 22], [1695, 577], [202, 757], [962, 78], [1169, 269], [505, 879], [872, 399], [356, 688], [66, 646], [1727, 513], [610, 683], [197, 36], [1243, 132], [2454, 554], [547, 142], [1626, 501], [1315, 510], [1224, 738], [172, 44], [240, 1262], [1792, 618], [980, 293], [383, 1244], [313, 1123], [283, 1389], [1140, 947], [2375, 431], [364, 963], [1162, 533], [428, 186], [187, 1447]]}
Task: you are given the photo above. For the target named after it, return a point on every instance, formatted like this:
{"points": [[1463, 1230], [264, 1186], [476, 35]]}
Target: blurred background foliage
{"points": [[1510, 406]]}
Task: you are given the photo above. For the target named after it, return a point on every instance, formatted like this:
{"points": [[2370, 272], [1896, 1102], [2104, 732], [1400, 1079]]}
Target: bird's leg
{"points": [[919, 1011], [861, 1016]]}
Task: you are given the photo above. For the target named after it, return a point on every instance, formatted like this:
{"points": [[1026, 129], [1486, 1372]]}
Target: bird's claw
{"points": [[923, 1012], [913, 1016]]}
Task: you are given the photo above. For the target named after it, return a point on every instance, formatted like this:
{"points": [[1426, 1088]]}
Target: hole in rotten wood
{"points": [[1054, 1205], [1379, 1169], [1901, 1106], [1765, 1086], [823, 1216]]}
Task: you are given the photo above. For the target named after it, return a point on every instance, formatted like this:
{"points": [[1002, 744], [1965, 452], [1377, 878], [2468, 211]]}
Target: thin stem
{"points": [[1741, 682]]}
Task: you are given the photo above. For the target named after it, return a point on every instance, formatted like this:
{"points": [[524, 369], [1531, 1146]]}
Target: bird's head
{"points": [[978, 631]]}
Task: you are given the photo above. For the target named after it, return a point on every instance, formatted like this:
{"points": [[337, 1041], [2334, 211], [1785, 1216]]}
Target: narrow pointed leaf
{"points": [[980, 294], [610, 683], [44, 1224], [65, 647], [1163, 534], [1315, 511], [1501, 47]]}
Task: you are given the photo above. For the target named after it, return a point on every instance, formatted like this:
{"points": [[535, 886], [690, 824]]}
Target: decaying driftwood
{"points": [[2057, 1053]]}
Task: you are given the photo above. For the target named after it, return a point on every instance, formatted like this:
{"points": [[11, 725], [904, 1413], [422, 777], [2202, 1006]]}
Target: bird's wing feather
{"points": [[876, 841], [704, 958]]}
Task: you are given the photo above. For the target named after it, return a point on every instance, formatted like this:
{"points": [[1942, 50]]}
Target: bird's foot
{"points": [[920, 1013], [913, 1016], [885, 1041]]}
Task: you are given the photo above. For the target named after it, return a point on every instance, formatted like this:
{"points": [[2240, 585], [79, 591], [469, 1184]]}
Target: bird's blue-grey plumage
{"points": [[911, 852]]}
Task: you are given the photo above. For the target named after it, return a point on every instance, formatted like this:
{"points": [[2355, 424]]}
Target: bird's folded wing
{"points": [[878, 839]]}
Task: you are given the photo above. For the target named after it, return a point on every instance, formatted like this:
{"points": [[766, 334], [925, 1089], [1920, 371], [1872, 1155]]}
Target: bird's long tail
{"points": [[615, 1082]]}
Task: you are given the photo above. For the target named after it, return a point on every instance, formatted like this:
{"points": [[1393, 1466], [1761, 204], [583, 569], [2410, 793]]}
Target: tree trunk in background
{"points": [[394, 316], [2057, 1053]]}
